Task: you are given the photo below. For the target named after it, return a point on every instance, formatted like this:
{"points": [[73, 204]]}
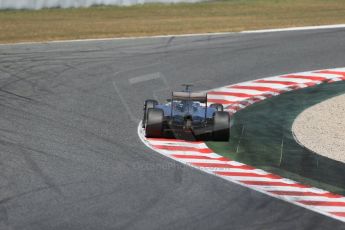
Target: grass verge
{"points": [[160, 19]]}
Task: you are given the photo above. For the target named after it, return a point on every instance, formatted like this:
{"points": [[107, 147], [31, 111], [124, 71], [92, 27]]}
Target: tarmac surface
{"points": [[70, 156]]}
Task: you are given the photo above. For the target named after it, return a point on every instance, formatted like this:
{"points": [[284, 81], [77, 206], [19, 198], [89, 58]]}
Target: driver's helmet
{"points": [[182, 106], [186, 106]]}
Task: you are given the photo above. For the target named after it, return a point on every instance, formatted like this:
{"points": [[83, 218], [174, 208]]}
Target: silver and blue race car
{"points": [[186, 113]]}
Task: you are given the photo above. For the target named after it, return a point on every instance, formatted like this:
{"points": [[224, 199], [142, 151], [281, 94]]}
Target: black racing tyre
{"points": [[218, 107], [154, 123], [149, 104], [221, 126]]}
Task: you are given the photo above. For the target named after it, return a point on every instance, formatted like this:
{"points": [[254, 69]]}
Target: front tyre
{"points": [[221, 126], [154, 123]]}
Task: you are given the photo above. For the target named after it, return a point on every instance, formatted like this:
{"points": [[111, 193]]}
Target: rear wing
{"points": [[200, 97]]}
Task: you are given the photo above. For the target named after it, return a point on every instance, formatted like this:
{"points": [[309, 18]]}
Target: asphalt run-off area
{"points": [[72, 159]]}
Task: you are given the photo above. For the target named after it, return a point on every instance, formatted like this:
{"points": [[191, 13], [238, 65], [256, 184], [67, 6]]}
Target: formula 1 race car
{"points": [[187, 113]]}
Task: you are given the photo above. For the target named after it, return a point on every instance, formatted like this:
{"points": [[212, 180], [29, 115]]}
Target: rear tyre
{"points": [[218, 107], [221, 126], [154, 123], [149, 104]]}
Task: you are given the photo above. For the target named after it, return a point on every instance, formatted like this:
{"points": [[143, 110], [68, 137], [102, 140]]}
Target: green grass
{"points": [[158, 19], [261, 136]]}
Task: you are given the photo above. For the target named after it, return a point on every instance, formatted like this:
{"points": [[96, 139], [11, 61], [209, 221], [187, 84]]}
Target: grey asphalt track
{"points": [[70, 157]]}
